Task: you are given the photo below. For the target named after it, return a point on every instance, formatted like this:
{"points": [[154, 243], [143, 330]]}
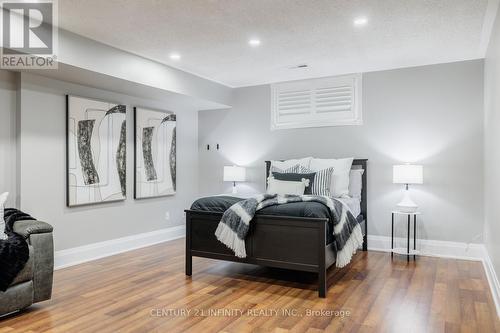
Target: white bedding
{"points": [[354, 204]]}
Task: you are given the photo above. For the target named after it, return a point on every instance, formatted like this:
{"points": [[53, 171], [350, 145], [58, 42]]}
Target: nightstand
{"points": [[407, 252]]}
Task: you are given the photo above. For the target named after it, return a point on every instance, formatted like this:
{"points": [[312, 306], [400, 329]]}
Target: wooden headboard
{"points": [[356, 164]]}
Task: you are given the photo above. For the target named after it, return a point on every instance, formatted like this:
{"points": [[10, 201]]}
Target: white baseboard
{"points": [[492, 280], [431, 248], [81, 254], [443, 249]]}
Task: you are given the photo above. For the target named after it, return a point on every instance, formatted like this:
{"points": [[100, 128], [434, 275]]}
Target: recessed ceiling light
{"points": [[175, 56], [254, 42], [360, 21]]}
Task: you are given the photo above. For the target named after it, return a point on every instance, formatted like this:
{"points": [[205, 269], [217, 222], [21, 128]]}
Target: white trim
{"points": [[444, 249], [431, 248], [492, 277], [82, 254], [488, 25]]}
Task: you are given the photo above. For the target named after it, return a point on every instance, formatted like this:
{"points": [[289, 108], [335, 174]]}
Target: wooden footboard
{"points": [[276, 241]]}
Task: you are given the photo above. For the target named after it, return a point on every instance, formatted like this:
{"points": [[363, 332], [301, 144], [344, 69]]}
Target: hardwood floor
{"points": [[146, 290]]}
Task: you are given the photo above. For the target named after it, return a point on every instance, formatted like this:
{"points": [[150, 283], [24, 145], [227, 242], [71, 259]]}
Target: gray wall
{"points": [[491, 149], [42, 167], [430, 115], [8, 136]]}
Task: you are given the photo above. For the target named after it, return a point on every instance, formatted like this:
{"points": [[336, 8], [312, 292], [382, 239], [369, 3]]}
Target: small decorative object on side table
{"points": [[406, 251]]}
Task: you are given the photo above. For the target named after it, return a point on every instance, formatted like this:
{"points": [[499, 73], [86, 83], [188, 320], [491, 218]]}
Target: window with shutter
{"points": [[332, 101]]}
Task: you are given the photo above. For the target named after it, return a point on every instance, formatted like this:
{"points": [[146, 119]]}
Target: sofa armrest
{"points": [[26, 228], [39, 236]]}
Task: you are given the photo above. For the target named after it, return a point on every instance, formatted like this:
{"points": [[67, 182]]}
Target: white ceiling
{"points": [[212, 35]]}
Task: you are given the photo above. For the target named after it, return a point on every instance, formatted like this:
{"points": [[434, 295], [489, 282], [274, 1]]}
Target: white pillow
{"points": [[3, 199], [283, 165], [282, 187], [341, 169], [356, 183]]}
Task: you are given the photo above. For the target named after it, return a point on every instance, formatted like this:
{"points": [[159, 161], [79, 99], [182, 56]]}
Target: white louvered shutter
{"points": [[333, 101]]}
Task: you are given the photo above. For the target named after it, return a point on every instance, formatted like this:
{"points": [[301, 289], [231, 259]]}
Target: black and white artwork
{"points": [[155, 153], [96, 151]]}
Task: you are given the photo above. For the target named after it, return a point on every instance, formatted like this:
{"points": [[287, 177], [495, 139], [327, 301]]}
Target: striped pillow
{"points": [[322, 181], [292, 169]]}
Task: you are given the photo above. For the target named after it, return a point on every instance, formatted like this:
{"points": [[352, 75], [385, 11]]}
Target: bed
{"points": [[277, 238]]}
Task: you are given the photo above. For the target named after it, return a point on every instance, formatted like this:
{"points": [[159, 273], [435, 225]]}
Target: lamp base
{"points": [[235, 191], [407, 205]]}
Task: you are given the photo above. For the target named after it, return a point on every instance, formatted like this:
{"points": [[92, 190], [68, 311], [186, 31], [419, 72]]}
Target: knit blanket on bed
{"points": [[235, 223]]}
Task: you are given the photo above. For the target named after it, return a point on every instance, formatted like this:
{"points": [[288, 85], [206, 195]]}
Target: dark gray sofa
{"points": [[34, 283]]}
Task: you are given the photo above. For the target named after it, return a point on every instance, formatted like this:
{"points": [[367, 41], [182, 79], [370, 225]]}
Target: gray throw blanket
{"points": [[235, 223]]}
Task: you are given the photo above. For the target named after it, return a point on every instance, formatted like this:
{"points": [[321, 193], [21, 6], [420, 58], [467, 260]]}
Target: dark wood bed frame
{"points": [[288, 242]]}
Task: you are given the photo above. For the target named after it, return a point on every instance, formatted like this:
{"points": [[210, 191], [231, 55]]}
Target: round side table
{"points": [[406, 251]]}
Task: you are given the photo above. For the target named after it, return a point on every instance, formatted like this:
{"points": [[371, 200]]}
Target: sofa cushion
{"points": [[27, 273], [16, 298]]}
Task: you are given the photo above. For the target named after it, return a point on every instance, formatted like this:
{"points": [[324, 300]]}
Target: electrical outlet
{"points": [[167, 216]]}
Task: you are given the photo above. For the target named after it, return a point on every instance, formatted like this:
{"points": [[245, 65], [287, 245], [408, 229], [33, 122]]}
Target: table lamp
{"points": [[407, 174], [234, 174]]}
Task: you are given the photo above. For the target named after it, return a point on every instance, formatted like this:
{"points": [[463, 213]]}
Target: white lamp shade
{"points": [[407, 174], [234, 174]]}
